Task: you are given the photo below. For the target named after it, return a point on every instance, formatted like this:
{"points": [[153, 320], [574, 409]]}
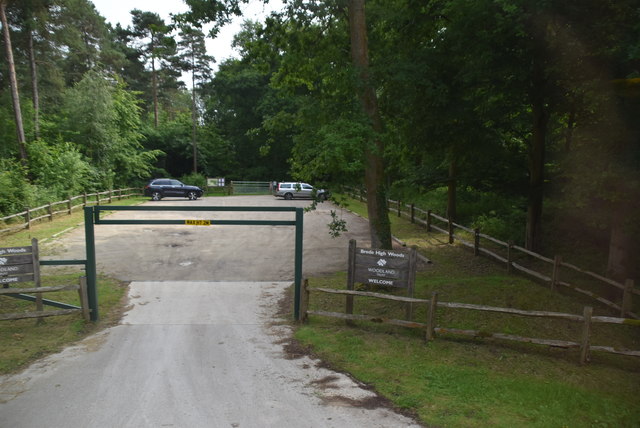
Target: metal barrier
{"points": [[92, 218]]}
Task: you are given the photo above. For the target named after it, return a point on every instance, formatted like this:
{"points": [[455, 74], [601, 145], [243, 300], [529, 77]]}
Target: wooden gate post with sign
{"points": [[376, 266]]}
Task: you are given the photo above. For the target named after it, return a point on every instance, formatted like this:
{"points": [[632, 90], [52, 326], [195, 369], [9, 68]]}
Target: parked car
{"points": [[290, 190], [162, 187]]}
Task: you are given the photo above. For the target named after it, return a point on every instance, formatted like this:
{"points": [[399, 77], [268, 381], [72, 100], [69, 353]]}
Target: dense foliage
{"points": [[516, 116]]}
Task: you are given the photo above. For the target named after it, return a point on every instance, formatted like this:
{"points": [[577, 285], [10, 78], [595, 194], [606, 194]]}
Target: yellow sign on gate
{"points": [[198, 222]]}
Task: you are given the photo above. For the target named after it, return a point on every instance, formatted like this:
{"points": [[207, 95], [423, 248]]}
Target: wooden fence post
{"points": [[110, 196], [627, 296], [399, 208], [69, 205], [351, 273], [84, 200], [585, 354], [411, 282], [50, 211], [450, 227], [557, 261], [509, 255], [431, 317], [97, 198], [27, 218], [35, 259], [413, 213], [429, 221], [84, 300], [476, 242], [304, 301]]}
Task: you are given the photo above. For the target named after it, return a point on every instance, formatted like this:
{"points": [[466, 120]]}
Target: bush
{"points": [[195, 179], [494, 214], [59, 170], [504, 228], [15, 192]]}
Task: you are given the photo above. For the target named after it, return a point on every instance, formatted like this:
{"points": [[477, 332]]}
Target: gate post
{"points": [[298, 264], [90, 267]]}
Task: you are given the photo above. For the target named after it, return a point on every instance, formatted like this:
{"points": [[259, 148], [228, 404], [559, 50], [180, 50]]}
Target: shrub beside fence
{"points": [[67, 206], [491, 247]]}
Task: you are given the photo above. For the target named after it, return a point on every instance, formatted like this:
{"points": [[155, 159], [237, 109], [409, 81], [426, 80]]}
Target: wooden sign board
{"points": [[382, 267], [15, 251], [392, 268], [17, 265]]}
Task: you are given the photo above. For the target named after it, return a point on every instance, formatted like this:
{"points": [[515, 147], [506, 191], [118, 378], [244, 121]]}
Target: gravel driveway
{"points": [[203, 344], [216, 253]]}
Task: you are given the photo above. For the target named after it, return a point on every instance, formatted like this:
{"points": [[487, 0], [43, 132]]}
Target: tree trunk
{"points": [[13, 81], [536, 158], [34, 87], [194, 118], [571, 124], [379, 225], [154, 91], [623, 242]]}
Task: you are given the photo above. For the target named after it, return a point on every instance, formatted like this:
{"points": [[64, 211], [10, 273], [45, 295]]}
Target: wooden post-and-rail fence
{"points": [[448, 227], [52, 209], [428, 325]]}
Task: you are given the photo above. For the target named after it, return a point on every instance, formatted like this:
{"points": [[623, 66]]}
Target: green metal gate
{"points": [[92, 218]]}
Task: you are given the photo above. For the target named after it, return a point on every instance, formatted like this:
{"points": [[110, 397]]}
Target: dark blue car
{"points": [[166, 187]]}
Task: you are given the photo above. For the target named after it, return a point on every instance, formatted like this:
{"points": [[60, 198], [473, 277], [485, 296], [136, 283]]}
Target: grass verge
{"points": [[462, 382], [23, 341], [45, 230]]}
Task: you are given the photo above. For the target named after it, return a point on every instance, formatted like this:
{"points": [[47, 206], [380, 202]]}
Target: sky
{"points": [[118, 11]]}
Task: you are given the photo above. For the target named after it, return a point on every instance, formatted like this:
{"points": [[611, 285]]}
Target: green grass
{"points": [[23, 341], [462, 382], [45, 229]]}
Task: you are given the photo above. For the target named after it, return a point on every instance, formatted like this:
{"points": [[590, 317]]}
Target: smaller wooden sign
{"points": [[21, 259], [16, 279], [17, 264], [15, 250]]}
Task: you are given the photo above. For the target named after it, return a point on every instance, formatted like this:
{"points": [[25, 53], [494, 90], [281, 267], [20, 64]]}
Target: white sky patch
{"points": [[119, 11]]}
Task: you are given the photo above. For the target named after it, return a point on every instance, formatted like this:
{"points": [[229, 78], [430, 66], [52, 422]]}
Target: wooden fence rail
{"points": [[50, 210], [446, 226], [431, 330], [41, 313]]}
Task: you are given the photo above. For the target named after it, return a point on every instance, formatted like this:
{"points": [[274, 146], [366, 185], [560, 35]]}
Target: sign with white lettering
{"points": [[382, 267], [16, 265], [15, 250], [16, 269]]}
